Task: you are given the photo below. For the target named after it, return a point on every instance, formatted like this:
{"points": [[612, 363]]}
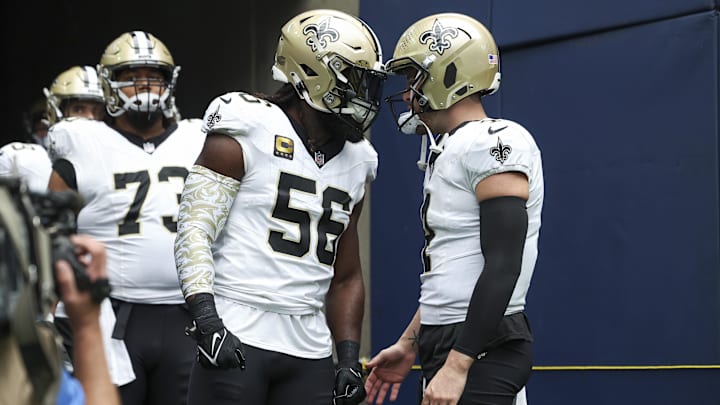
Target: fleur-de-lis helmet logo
{"points": [[501, 152], [439, 37], [320, 34]]}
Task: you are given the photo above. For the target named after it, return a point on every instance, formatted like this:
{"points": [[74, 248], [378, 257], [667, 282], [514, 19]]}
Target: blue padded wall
{"points": [[622, 98], [518, 23]]}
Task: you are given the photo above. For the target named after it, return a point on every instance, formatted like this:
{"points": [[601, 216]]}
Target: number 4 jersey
{"points": [[131, 190]]}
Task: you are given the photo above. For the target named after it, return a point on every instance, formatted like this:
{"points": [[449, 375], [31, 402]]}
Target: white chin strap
{"points": [[411, 124], [143, 102]]}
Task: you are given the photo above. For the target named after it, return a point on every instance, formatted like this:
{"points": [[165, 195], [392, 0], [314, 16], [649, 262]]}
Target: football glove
{"points": [[349, 385], [218, 348]]}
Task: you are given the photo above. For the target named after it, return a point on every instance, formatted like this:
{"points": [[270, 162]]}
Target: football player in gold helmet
{"points": [[76, 92], [267, 231], [130, 169], [483, 196]]}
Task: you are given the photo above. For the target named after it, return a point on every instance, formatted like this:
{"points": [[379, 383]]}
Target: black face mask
{"points": [[143, 120]]}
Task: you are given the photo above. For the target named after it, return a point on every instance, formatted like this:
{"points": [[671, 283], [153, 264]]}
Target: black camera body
{"points": [[56, 212], [34, 234]]}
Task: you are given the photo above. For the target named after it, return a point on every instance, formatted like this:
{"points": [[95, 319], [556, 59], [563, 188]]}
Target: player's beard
{"points": [[143, 120], [342, 127]]}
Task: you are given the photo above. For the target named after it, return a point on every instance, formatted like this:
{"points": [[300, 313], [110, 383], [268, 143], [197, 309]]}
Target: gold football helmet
{"points": [[131, 50], [454, 56], [78, 82], [334, 62]]}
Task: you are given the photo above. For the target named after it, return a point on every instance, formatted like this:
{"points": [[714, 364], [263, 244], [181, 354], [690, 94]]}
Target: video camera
{"points": [[34, 235]]}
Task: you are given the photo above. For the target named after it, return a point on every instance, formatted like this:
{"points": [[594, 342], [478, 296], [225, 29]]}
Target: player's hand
{"points": [[388, 370], [218, 349], [349, 387], [448, 384]]}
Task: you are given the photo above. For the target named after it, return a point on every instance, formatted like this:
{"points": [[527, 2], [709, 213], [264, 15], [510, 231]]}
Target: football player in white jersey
{"points": [[28, 161], [483, 196], [267, 245], [130, 171], [75, 92]]}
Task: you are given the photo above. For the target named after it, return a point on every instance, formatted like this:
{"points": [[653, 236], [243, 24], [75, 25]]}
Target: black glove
{"points": [[218, 348], [349, 385]]}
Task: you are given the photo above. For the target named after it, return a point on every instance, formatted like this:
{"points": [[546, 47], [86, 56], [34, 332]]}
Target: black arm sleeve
{"points": [[503, 228], [66, 171]]}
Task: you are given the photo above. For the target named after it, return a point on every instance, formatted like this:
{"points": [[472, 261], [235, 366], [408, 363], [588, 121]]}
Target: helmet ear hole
{"points": [[450, 75], [308, 71]]}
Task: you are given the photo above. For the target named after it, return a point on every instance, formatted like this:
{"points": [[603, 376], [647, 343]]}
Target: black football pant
{"points": [[496, 378], [269, 378], [160, 353]]}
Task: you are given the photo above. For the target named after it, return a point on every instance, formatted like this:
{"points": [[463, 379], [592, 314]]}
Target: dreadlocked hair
{"points": [[285, 97]]}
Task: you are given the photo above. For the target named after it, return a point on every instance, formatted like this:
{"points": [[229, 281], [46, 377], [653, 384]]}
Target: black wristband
{"points": [[348, 354], [202, 310]]}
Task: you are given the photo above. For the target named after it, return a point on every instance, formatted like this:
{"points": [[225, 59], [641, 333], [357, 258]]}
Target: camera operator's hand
{"points": [[79, 305], [83, 310]]}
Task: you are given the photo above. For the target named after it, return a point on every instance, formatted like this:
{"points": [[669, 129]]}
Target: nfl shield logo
{"points": [[319, 158]]}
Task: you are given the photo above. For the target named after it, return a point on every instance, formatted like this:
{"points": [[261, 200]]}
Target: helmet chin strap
{"points": [[409, 123], [140, 102], [144, 102]]}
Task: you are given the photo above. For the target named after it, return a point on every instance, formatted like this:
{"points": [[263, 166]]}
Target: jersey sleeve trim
{"points": [[476, 178]]}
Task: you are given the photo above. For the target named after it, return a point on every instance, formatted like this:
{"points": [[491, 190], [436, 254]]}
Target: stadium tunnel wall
{"points": [[622, 98]]}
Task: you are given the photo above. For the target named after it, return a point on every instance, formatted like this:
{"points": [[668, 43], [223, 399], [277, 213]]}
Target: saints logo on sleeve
{"points": [[236, 113]]}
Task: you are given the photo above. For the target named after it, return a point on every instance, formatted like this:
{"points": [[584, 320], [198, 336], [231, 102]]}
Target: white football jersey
{"points": [[452, 256], [28, 161], [131, 194], [275, 254]]}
